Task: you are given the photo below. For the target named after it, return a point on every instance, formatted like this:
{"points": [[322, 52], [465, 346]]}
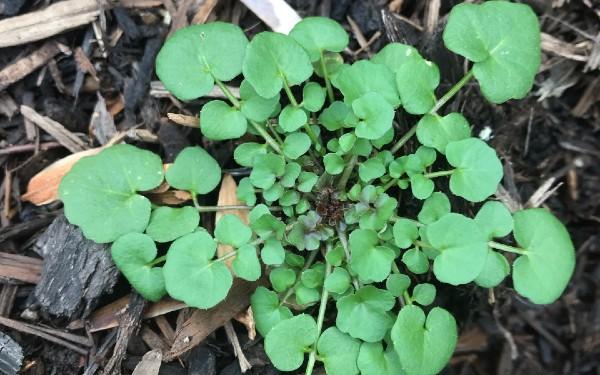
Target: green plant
{"points": [[324, 215]]}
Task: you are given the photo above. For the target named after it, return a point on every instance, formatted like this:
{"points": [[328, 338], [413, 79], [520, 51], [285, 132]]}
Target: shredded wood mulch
{"points": [[76, 75]]}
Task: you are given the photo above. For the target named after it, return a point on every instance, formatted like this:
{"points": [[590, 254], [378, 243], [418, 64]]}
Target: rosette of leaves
{"points": [[331, 187]]}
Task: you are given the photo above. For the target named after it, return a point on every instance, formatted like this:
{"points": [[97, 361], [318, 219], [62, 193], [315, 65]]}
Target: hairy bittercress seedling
{"points": [[325, 169]]}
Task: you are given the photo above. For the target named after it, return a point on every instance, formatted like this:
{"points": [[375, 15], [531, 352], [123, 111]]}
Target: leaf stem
{"points": [[236, 103], [326, 78], [314, 139], [404, 298], [439, 173], [453, 90], [389, 184], [288, 92], [309, 262], [157, 261], [347, 172], [408, 135], [510, 249], [344, 241], [312, 357]]}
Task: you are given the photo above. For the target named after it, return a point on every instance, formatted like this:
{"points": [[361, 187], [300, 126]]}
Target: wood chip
{"points": [[590, 96], [55, 129], [185, 120], [11, 355], [21, 268], [102, 123], [24, 66], [8, 107], [204, 11], [150, 363], [570, 51], [277, 14], [432, 15], [153, 339], [52, 20], [43, 187]]}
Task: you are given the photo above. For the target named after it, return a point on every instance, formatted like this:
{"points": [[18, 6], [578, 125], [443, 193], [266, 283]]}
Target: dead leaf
{"points": [[43, 187], [150, 363], [170, 197], [190, 121], [247, 319], [228, 197]]}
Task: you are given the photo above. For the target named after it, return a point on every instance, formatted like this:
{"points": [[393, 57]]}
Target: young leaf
{"points": [[372, 360], [416, 261], [273, 59], [335, 116], [416, 80], [543, 272], [167, 224], [405, 233], [371, 169], [100, 192], [292, 172], [375, 114], [245, 192], [421, 186], [292, 118], [338, 352], [437, 131], [503, 41], [397, 284], [267, 310], [424, 345], [338, 281], [244, 153], [306, 296], [462, 246], [296, 144], [346, 142], [370, 261], [478, 170], [434, 207], [287, 342], [394, 55], [254, 106], [495, 269], [365, 314], [272, 252], [313, 97], [190, 268], [190, 60], [194, 170], [320, 34], [334, 164], [230, 230], [282, 278], [267, 168], [306, 181], [220, 121], [494, 220], [246, 264], [363, 77], [133, 254], [424, 294]]}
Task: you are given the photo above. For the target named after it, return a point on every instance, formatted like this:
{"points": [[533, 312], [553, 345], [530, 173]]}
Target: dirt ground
{"points": [[97, 80]]}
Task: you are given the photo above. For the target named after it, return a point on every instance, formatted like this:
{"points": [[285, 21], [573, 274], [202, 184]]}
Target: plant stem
{"points": [[344, 241], [510, 249], [347, 172], [389, 184], [327, 81], [404, 298], [289, 93], [312, 357], [223, 208], [439, 173], [314, 139], [453, 90], [408, 135], [157, 260], [228, 94]]}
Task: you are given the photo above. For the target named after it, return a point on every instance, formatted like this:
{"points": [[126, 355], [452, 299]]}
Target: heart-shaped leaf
{"points": [[167, 223], [478, 170], [421, 186], [194, 56], [267, 168], [365, 315], [272, 252], [292, 118], [372, 360], [282, 278], [394, 55], [416, 261], [437, 131], [375, 114], [462, 246], [318, 35], [424, 345], [338, 281], [495, 269], [364, 77], [397, 283], [246, 264], [494, 219], [244, 153], [416, 80], [220, 121], [503, 40], [133, 254], [231, 230], [100, 192], [405, 233], [371, 169], [369, 260], [191, 274], [543, 271], [296, 145], [287, 342], [267, 310], [338, 352], [254, 106], [273, 59], [434, 207], [194, 170]]}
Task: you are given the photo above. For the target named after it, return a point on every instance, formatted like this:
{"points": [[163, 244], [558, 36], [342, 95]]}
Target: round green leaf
{"points": [[220, 121], [365, 315], [190, 60], [245, 192], [477, 172], [287, 342], [306, 296], [421, 186], [372, 360], [100, 192], [394, 55], [272, 252], [313, 97], [266, 168], [231, 230], [370, 261], [416, 80], [292, 172], [292, 118], [424, 346], [254, 106], [133, 254], [306, 181], [272, 59], [371, 169], [338, 281], [375, 114], [282, 278], [494, 220], [246, 264], [334, 164], [167, 223], [434, 207], [437, 131], [424, 294], [364, 77], [397, 283], [405, 233], [503, 40], [267, 310], [244, 153], [462, 246], [334, 117], [296, 145], [543, 272], [192, 276], [320, 34], [338, 352], [194, 170], [495, 269], [415, 261]]}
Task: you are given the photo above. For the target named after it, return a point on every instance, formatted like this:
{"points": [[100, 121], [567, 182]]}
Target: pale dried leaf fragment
{"points": [[150, 363], [228, 197], [277, 14]]}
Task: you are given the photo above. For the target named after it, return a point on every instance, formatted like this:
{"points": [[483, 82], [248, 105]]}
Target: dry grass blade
{"points": [[185, 120], [55, 129]]}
